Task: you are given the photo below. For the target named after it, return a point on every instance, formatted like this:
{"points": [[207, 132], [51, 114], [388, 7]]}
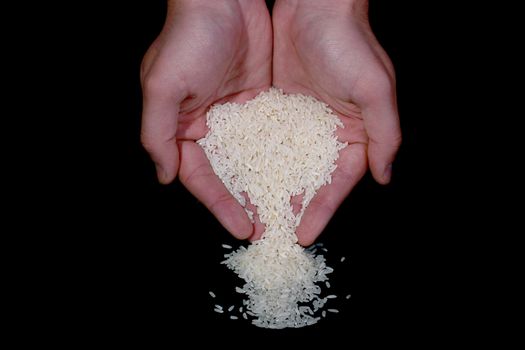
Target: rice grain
{"points": [[270, 149]]}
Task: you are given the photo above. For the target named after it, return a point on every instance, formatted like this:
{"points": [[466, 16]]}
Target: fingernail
{"points": [[388, 173]]}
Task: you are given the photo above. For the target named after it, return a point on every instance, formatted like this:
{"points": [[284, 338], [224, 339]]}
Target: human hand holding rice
{"points": [[326, 49], [277, 166], [208, 52], [213, 52], [273, 168]]}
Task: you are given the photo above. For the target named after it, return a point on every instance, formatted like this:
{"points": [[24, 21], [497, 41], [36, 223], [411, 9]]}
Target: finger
{"points": [[159, 125], [198, 177], [382, 126], [258, 229], [351, 166], [258, 226]]}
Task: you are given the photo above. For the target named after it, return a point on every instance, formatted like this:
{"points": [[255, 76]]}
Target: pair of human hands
{"points": [[230, 50]]}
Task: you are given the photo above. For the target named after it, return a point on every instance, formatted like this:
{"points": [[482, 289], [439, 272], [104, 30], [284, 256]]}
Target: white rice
{"points": [[272, 148], [343, 259], [218, 311], [323, 313], [230, 308], [211, 294], [234, 317], [348, 296], [333, 310], [327, 284], [227, 246], [331, 296]]}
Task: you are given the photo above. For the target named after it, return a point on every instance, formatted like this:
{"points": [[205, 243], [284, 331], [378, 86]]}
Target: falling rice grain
{"points": [[252, 151]]}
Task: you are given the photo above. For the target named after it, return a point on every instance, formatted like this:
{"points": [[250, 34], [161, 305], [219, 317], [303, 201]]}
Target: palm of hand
{"points": [[201, 58]]}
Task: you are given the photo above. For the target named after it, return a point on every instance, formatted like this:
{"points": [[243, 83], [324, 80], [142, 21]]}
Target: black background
{"points": [[146, 255]]}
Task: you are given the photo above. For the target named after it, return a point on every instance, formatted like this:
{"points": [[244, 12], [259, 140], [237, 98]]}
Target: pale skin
{"points": [[215, 51]]}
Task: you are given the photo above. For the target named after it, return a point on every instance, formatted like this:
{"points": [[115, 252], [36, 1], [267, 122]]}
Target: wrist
{"points": [[351, 7], [181, 6], [209, 3]]}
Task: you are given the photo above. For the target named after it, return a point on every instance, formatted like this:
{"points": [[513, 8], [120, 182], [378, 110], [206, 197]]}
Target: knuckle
{"points": [[390, 70], [154, 85], [148, 59], [388, 140], [224, 198], [382, 83], [398, 140], [375, 85], [394, 141], [148, 142], [143, 69]]}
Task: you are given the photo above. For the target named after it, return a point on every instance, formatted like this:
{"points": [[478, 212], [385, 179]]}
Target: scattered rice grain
{"points": [[251, 149]]}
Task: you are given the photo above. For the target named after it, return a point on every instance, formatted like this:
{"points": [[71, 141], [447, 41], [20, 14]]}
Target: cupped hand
{"points": [[327, 49], [207, 52]]}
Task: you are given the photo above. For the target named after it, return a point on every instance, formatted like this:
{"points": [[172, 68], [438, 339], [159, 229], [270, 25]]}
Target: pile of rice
{"points": [[272, 148]]}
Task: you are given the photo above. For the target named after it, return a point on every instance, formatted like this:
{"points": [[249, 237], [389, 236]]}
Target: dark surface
{"points": [[153, 251]]}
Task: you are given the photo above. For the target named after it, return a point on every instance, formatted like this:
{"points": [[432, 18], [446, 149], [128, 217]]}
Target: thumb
{"points": [[159, 127], [382, 126]]}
